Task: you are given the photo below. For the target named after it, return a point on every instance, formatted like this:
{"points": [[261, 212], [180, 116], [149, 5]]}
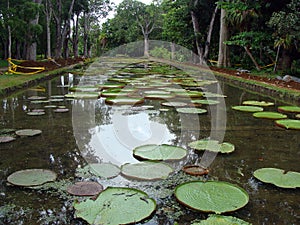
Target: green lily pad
{"points": [[159, 152], [6, 139], [61, 110], [212, 145], [124, 101], [278, 177], [36, 113], [288, 124], [257, 103], [159, 96], [213, 95], [298, 116], [50, 106], [290, 109], [214, 219], [245, 108], [174, 104], [270, 115], [190, 94], [31, 177], [191, 110], [211, 196], [205, 102], [85, 188], [28, 132], [84, 95], [116, 205], [105, 170], [146, 170], [37, 98], [83, 89], [7, 131]]}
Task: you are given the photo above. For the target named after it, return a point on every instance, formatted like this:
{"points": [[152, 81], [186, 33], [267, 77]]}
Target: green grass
{"points": [[3, 63]]}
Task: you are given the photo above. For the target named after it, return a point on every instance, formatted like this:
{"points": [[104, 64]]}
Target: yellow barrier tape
{"points": [[12, 68]]}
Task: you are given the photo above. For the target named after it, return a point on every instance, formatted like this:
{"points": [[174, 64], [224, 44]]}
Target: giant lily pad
{"points": [[174, 104], [36, 113], [212, 145], [270, 115], [288, 108], [278, 177], [205, 102], [258, 103], [159, 96], [191, 110], [146, 170], [6, 139], [31, 177], [159, 152], [85, 188], [211, 196], [246, 108], [116, 205], [214, 219], [124, 101], [28, 132], [289, 124], [105, 170]]}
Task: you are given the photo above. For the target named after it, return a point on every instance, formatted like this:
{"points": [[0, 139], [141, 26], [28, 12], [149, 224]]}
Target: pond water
{"points": [[93, 131]]}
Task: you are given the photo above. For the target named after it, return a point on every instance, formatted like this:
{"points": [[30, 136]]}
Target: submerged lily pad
{"points": [[31, 177], [211, 196], [146, 170], [85, 188], [124, 101], [159, 152], [288, 124], [28, 132], [6, 139], [191, 110], [278, 177], [214, 219], [258, 103], [105, 170], [245, 108], [212, 145], [290, 109], [116, 205], [270, 115]]}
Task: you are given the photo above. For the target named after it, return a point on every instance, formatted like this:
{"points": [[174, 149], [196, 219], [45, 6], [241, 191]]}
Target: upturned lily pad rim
{"points": [[19, 178], [246, 108], [28, 132], [214, 219], [191, 110], [257, 103], [124, 101], [6, 139], [289, 109], [127, 206], [242, 194], [292, 124], [270, 115]]}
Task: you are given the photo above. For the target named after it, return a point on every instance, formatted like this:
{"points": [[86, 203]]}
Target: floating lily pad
{"points": [[31, 177], [83, 89], [85, 188], [195, 170], [37, 98], [206, 102], [191, 110], [298, 116], [61, 110], [109, 94], [116, 205], [159, 152], [6, 139], [124, 101], [146, 170], [213, 95], [289, 124], [190, 94], [174, 104], [211, 196], [258, 103], [270, 115], [28, 132], [246, 108], [50, 106], [159, 96], [36, 113], [84, 95], [290, 109], [214, 219], [39, 101], [105, 170], [212, 145], [278, 177]]}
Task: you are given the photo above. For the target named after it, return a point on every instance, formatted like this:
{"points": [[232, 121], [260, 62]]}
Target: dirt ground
{"points": [[52, 65]]}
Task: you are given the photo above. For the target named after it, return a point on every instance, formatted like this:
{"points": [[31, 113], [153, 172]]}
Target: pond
{"points": [[95, 130]]}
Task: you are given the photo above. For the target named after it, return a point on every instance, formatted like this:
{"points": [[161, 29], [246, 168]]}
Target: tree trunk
{"points": [[252, 58], [173, 50], [9, 36], [223, 57], [85, 35], [32, 46], [208, 39], [146, 45], [75, 38], [197, 33], [48, 15], [285, 63]]}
